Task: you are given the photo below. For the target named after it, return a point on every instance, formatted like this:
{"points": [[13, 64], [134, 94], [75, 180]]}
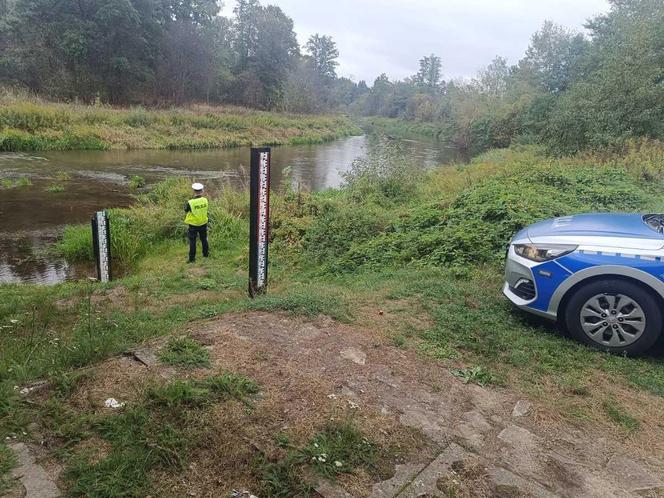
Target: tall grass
{"points": [[31, 124], [158, 218]]}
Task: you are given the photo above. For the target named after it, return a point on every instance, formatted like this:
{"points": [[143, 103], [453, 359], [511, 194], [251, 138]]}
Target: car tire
{"points": [[614, 315]]}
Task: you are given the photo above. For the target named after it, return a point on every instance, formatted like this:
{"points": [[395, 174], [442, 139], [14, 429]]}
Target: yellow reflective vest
{"points": [[198, 216]]}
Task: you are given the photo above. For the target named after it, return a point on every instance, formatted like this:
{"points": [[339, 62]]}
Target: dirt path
{"points": [[483, 445], [458, 439]]}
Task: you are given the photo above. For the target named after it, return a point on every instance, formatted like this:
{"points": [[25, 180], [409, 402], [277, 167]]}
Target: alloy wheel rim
{"points": [[614, 320]]}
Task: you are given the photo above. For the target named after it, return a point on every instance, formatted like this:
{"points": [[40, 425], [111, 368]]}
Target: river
{"points": [[32, 217]]}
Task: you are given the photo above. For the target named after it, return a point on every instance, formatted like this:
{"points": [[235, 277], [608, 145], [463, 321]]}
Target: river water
{"points": [[32, 217]]}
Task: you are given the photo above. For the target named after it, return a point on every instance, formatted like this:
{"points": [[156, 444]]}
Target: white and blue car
{"points": [[601, 276]]}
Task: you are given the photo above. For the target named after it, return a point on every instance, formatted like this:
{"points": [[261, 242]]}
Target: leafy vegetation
{"points": [[477, 375], [153, 433], [620, 416], [55, 188], [428, 255], [7, 463], [340, 448], [7, 183], [27, 123], [569, 92], [136, 182], [185, 352]]}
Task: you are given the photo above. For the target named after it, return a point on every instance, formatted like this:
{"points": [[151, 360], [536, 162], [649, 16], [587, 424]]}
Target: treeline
{"points": [[569, 91], [156, 52]]}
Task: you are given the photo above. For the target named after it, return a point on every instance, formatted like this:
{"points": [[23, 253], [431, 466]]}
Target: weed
{"points": [[65, 383], [38, 125], [8, 183], [476, 375], [620, 416], [62, 176], [206, 284], [339, 448], [311, 302], [196, 393], [185, 352], [399, 341], [55, 188], [151, 434], [7, 463], [136, 182]]}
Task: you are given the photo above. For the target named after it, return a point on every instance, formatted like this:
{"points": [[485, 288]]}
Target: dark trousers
{"points": [[202, 233]]}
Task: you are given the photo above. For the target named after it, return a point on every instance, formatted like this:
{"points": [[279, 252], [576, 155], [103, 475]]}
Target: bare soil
{"points": [[445, 438]]}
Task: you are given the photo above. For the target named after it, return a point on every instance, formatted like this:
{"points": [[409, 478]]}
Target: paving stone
{"points": [[424, 419], [146, 356], [521, 408], [631, 474], [477, 421], [403, 477], [473, 439], [330, 490], [508, 484], [518, 437], [354, 355], [33, 477], [425, 483]]}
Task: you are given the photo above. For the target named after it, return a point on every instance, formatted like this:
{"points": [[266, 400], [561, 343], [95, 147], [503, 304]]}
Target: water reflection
{"points": [[26, 257], [31, 217]]}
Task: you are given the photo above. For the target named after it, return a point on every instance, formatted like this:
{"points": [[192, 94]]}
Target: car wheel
{"points": [[614, 315]]}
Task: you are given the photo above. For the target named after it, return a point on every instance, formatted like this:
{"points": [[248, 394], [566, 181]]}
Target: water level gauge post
{"points": [[101, 241], [259, 223]]}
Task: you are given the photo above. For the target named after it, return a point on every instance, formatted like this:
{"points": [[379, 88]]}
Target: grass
{"points": [[7, 463], [7, 183], [33, 124], [425, 249], [55, 188], [339, 448], [137, 182], [305, 301], [151, 434], [185, 352], [405, 129], [476, 375], [620, 416]]}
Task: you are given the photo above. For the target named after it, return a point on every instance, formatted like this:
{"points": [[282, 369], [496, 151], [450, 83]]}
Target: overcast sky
{"points": [[390, 36]]}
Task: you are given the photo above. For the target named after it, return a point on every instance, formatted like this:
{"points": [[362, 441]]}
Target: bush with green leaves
{"points": [[157, 218], [475, 225]]}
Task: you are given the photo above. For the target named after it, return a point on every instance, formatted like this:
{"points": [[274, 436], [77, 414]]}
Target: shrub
{"points": [[476, 224]]}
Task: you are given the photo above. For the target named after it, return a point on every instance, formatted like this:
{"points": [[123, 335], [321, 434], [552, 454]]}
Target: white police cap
{"points": [[197, 186]]}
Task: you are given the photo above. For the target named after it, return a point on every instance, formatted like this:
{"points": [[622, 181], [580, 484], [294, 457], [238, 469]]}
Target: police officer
{"points": [[196, 210]]}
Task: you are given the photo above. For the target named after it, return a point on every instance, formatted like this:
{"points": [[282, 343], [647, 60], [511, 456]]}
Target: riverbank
{"points": [[34, 125], [404, 264]]}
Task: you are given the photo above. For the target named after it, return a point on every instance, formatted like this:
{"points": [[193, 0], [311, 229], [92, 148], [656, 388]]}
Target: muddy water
{"points": [[32, 217]]}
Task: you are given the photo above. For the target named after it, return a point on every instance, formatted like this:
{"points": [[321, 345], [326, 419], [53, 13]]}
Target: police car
{"points": [[601, 276]]}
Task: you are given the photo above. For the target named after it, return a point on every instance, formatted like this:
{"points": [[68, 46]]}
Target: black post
{"points": [[259, 223], [101, 242]]}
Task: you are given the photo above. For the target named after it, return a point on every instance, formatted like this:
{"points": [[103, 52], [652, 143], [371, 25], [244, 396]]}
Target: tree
{"points": [[324, 54], [622, 96], [429, 76], [245, 29], [494, 80], [553, 61]]}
